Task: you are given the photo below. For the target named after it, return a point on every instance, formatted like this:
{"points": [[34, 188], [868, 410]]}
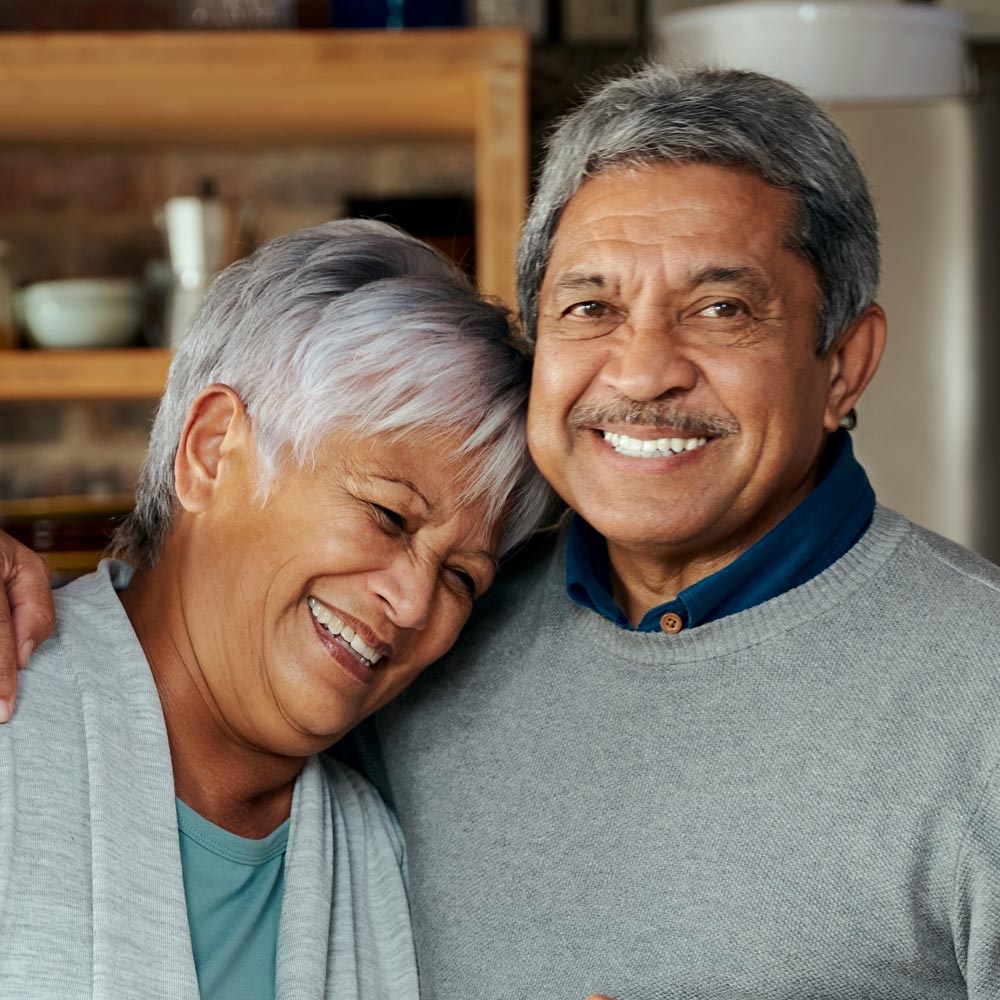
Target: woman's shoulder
{"points": [[90, 617], [93, 647], [49, 687]]}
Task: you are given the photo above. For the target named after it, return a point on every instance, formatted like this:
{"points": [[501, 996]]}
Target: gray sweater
{"points": [[91, 894], [798, 801]]}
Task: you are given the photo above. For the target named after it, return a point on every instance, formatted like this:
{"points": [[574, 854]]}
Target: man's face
{"points": [[678, 403]]}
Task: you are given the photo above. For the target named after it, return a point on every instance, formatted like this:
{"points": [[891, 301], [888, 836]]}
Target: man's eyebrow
{"points": [[754, 281], [580, 281]]}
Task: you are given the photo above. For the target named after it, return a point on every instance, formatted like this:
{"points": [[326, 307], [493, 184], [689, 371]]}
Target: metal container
{"points": [[204, 235]]}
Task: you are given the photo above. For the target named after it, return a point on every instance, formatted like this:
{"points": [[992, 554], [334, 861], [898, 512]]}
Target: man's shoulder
{"points": [[534, 568], [950, 583], [940, 559], [533, 558]]}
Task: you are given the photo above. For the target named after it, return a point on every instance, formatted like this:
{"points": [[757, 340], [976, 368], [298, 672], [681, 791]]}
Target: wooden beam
{"points": [[501, 170], [245, 86]]}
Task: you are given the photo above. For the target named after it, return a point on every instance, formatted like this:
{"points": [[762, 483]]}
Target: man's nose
{"points": [[406, 587], [650, 360]]}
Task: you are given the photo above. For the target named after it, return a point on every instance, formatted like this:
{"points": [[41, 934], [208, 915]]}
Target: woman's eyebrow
{"points": [[412, 487]]}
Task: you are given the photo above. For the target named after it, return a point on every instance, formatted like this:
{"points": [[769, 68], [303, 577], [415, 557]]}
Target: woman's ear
{"points": [[854, 358], [215, 432]]}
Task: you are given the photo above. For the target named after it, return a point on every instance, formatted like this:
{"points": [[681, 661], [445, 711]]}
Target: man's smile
{"points": [[652, 447]]}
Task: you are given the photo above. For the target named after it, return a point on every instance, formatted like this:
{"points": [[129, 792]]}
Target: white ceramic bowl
{"points": [[83, 312], [835, 50]]}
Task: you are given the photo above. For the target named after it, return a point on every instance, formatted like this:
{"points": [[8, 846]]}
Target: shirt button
{"points": [[671, 623]]}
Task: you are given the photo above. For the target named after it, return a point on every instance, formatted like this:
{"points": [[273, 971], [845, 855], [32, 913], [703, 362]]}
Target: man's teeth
{"points": [[336, 627], [638, 448]]}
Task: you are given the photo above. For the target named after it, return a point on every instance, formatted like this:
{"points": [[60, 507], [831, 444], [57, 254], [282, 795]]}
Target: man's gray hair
{"points": [[729, 118], [352, 326]]}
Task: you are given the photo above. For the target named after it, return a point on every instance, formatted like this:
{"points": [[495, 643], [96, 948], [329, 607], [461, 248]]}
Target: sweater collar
{"points": [[813, 536]]}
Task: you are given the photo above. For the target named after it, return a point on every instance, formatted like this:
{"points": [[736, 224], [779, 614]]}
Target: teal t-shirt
{"points": [[233, 888]]}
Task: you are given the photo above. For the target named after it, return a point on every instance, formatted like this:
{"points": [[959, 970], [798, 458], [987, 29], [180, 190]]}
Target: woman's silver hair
{"points": [[729, 118], [349, 326]]}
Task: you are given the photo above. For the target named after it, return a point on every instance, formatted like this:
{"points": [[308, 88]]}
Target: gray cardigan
{"points": [[91, 896]]}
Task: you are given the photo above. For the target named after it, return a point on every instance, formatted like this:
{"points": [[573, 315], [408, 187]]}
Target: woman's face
{"points": [[314, 609]]}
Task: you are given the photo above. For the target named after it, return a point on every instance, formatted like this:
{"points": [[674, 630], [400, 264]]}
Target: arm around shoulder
{"points": [[26, 614]]}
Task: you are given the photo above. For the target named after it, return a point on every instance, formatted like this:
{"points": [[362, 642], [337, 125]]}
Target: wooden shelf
{"points": [[276, 88], [265, 89], [76, 563], [138, 373], [86, 505]]}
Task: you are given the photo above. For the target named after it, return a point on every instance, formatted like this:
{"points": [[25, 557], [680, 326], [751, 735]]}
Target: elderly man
{"points": [[734, 731]]}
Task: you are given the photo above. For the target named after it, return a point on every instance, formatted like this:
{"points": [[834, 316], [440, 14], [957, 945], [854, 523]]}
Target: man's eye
{"points": [[724, 310], [587, 310]]}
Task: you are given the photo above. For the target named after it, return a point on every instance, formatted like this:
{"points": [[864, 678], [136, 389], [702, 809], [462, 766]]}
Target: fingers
{"points": [[26, 614], [8, 660], [31, 604]]}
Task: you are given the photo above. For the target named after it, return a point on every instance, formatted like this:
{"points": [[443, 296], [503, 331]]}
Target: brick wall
{"points": [[90, 213]]}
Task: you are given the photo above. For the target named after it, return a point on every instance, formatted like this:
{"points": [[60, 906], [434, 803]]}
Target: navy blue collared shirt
{"points": [[809, 539]]}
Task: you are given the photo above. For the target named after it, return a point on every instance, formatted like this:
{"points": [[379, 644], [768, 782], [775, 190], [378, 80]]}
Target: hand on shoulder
{"points": [[26, 614]]}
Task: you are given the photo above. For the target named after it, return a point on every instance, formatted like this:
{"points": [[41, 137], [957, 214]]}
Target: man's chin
{"points": [[650, 532]]}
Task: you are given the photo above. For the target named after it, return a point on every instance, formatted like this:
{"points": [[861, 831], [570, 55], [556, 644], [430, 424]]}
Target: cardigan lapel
{"points": [[142, 944], [304, 965]]}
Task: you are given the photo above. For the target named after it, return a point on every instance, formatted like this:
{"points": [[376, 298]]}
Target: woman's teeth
{"points": [[638, 448], [350, 638]]}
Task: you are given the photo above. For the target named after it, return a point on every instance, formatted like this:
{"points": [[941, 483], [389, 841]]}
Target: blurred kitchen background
{"points": [[109, 229]]}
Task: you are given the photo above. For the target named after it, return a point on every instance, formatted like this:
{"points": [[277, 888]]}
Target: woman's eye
{"points": [[389, 517], [464, 581]]}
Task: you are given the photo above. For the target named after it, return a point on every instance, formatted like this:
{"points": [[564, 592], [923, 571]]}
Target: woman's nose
{"points": [[407, 590]]}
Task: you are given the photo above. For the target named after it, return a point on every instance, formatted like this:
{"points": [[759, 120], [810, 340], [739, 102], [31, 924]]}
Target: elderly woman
{"points": [[336, 466]]}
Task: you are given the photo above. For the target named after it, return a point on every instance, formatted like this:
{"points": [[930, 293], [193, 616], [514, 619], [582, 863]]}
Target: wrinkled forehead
{"points": [[621, 178], [703, 207]]}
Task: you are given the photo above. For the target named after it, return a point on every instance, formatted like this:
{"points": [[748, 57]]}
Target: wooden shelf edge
{"points": [[465, 46], [136, 373], [66, 506], [72, 561], [247, 86]]}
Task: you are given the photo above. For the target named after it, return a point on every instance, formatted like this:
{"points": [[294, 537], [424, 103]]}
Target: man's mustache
{"points": [[658, 414]]}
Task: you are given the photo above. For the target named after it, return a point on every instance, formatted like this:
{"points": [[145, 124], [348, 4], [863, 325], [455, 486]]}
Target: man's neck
{"points": [[644, 577], [640, 581]]}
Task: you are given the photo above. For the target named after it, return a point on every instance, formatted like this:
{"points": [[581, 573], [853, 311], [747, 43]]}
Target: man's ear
{"points": [[854, 358], [216, 429]]}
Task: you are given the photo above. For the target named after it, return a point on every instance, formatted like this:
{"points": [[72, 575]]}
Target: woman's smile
{"points": [[350, 637]]}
